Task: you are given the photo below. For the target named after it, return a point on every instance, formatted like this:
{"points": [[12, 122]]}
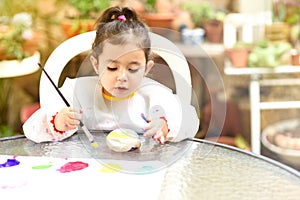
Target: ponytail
{"points": [[113, 13], [121, 25]]}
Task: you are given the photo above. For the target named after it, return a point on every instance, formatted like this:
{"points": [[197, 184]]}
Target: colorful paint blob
{"points": [[111, 168], [145, 169], [73, 166], [10, 163], [95, 145], [46, 166]]}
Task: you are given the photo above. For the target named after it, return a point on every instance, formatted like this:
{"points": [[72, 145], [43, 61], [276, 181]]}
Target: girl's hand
{"points": [[158, 129], [67, 119]]}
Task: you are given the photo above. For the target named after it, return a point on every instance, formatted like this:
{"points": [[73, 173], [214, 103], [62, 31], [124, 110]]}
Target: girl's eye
{"points": [[133, 70], [111, 68]]}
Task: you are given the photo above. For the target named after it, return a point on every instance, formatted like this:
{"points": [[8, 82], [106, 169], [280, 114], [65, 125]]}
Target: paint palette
{"points": [[73, 169], [149, 158], [71, 178]]}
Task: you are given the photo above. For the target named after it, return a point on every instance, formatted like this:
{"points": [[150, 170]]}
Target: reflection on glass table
{"points": [[191, 169]]}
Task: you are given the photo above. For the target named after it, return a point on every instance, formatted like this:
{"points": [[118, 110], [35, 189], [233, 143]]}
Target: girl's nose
{"points": [[122, 76]]}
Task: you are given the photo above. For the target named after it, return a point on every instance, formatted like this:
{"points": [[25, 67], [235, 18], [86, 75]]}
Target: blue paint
{"points": [[146, 169], [10, 163]]}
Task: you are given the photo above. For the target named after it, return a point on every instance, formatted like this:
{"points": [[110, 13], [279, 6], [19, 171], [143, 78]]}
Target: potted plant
{"points": [[156, 15], [19, 37], [19, 92], [285, 22], [295, 57], [205, 16], [81, 15], [239, 53], [292, 18], [18, 40], [269, 54], [214, 27], [199, 12]]}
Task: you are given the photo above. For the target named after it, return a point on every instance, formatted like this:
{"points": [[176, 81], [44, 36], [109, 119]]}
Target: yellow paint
{"points": [[95, 145], [111, 168], [115, 134]]}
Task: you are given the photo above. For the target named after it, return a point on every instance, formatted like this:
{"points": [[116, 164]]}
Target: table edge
{"points": [[250, 153]]}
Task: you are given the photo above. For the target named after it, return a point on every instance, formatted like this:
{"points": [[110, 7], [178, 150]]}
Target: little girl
{"points": [[120, 94]]}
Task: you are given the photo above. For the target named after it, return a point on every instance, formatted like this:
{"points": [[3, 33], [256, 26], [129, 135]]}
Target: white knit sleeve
{"points": [[38, 128]]}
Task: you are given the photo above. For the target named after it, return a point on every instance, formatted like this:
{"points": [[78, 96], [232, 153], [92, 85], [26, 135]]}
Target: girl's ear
{"points": [[95, 64], [149, 66]]}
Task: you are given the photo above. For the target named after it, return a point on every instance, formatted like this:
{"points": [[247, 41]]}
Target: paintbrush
{"points": [[85, 130]]}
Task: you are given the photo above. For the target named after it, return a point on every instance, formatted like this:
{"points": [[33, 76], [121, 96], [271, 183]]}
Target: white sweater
{"points": [[100, 113]]}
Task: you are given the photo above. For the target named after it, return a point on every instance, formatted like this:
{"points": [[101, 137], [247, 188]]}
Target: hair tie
{"points": [[122, 18]]}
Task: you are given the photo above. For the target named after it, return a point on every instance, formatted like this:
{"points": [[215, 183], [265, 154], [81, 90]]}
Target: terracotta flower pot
{"points": [[162, 20], [238, 56], [3, 55], [72, 27], [213, 31], [295, 56]]}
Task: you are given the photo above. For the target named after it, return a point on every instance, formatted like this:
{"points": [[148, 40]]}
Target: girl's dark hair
{"points": [[109, 28]]}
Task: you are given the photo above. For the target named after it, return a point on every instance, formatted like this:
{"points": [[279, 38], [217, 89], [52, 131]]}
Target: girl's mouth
{"points": [[121, 88]]}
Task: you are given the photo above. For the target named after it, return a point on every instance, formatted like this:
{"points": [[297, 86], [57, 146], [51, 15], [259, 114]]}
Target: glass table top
{"points": [[192, 169]]}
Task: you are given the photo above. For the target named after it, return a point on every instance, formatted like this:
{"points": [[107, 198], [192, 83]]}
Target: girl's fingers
{"points": [[72, 122], [150, 132], [71, 118], [159, 136], [155, 124], [71, 114], [152, 129], [161, 140]]}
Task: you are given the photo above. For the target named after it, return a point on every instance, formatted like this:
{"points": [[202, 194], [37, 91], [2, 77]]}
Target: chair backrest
{"points": [[83, 42]]}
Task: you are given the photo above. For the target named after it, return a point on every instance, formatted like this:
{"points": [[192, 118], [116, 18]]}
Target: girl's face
{"points": [[121, 69]]}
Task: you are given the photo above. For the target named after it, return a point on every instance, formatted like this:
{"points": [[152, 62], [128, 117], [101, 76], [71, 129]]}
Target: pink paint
{"points": [[73, 166]]}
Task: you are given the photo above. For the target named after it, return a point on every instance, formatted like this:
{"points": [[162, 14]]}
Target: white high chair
{"points": [[83, 42]]}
